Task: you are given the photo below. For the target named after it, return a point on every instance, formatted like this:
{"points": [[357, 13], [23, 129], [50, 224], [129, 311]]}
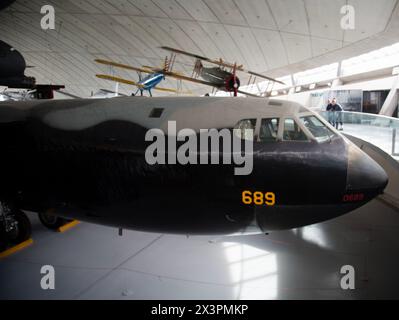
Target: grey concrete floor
{"points": [[93, 262]]}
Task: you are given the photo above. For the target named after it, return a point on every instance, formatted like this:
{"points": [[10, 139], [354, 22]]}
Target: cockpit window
{"points": [[292, 132], [242, 128], [269, 129], [317, 128]]}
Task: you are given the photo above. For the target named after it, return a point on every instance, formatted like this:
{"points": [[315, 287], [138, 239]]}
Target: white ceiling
{"points": [[273, 37]]}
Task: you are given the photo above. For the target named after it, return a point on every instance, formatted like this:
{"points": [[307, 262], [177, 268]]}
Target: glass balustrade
{"points": [[379, 130]]}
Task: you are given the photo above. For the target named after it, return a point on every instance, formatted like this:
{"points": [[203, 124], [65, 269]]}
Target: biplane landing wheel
{"points": [[51, 221]]}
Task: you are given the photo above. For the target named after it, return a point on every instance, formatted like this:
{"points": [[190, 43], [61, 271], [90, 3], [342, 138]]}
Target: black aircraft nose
{"points": [[364, 173]]}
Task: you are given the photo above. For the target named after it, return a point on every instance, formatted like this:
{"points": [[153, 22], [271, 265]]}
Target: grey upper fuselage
{"points": [[194, 113]]}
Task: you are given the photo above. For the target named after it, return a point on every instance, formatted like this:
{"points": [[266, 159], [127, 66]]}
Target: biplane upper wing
{"points": [[264, 77], [196, 56], [220, 62], [123, 66]]}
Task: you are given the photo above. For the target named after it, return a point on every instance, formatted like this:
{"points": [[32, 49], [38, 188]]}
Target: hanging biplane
{"points": [[223, 77], [147, 83]]}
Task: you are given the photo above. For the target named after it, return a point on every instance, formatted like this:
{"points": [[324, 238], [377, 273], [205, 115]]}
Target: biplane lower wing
{"points": [[249, 94], [182, 77], [178, 76], [264, 77], [172, 90], [120, 80]]}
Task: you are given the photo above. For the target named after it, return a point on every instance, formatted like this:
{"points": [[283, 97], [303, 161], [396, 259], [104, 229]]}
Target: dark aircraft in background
{"points": [[84, 159], [5, 3], [12, 74], [12, 68]]}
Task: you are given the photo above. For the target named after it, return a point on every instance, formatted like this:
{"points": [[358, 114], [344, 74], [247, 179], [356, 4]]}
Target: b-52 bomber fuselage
{"points": [[86, 160]]}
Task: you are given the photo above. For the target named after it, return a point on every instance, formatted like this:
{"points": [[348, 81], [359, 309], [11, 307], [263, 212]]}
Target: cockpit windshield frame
{"points": [[318, 130], [298, 122]]}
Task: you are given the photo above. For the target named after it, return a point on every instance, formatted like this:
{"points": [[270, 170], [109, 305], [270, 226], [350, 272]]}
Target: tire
{"points": [[3, 238], [22, 231], [51, 221]]}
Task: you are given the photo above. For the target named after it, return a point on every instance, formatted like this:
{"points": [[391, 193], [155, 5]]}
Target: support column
{"points": [[392, 100]]}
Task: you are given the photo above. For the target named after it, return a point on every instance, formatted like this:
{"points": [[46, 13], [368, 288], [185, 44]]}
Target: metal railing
{"points": [[366, 119]]}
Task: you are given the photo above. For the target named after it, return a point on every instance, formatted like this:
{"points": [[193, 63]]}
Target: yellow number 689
{"points": [[258, 198]]}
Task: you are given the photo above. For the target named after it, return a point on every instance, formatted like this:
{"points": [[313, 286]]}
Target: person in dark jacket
{"points": [[337, 110], [330, 113]]}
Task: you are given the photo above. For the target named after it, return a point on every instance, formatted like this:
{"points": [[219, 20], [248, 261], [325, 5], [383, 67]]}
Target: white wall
{"points": [[370, 85]]}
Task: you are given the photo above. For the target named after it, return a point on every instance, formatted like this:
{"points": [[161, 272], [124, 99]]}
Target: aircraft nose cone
{"points": [[364, 173]]}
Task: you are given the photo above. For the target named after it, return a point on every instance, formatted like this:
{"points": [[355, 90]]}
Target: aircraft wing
{"points": [[249, 94], [172, 90], [182, 77], [262, 76], [192, 55], [120, 65], [68, 94], [154, 69], [116, 79], [112, 92]]}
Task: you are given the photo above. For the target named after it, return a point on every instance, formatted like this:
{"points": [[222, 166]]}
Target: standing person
{"points": [[330, 113], [338, 114]]}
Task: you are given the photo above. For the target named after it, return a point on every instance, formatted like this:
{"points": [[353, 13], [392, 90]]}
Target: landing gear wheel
{"points": [[18, 230], [51, 221], [22, 230], [3, 239]]}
